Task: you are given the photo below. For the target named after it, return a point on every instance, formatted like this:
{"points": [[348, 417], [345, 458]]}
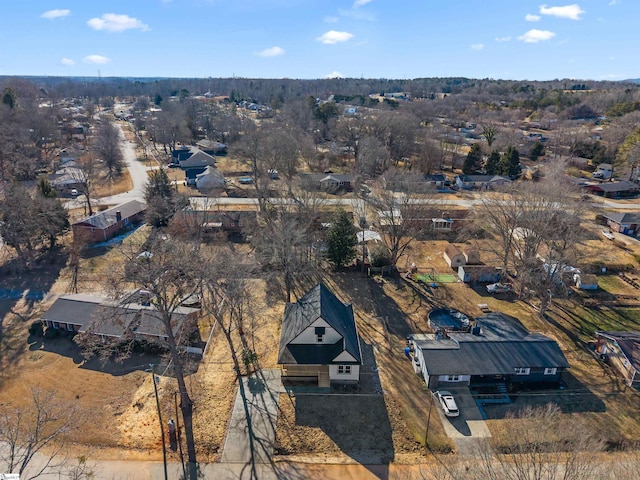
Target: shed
{"points": [[479, 273], [454, 257], [472, 256], [585, 281]]}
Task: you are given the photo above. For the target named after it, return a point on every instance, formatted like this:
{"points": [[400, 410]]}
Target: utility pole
{"points": [[164, 445]]}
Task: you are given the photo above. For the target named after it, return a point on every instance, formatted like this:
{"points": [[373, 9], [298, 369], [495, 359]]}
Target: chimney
{"points": [[118, 215]]}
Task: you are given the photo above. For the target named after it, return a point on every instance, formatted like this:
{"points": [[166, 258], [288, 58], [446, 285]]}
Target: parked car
{"points": [[448, 403], [499, 288], [173, 165], [245, 180], [74, 192]]}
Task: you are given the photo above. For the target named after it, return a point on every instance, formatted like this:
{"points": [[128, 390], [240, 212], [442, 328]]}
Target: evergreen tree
{"points": [[492, 166], [473, 161], [510, 163], [160, 196], [341, 239], [536, 151]]}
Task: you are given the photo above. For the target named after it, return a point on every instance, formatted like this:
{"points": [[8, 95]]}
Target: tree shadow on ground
{"points": [[27, 287], [359, 425], [572, 397], [64, 345]]}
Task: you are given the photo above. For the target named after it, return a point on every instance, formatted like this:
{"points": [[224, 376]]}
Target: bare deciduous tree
{"points": [[34, 434]]}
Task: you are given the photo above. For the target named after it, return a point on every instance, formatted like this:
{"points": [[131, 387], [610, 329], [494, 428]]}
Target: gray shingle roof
{"points": [[503, 346], [107, 217], [621, 186], [629, 343], [103, 317], [623, 217], [319, 302]]}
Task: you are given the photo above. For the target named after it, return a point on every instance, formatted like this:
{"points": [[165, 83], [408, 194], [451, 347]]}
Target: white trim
{"points": [[550, 371], [523, 371]]}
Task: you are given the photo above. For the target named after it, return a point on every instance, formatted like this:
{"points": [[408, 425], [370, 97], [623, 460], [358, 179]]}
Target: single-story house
{"points": [[585, 281], [621, 189], [198, 159], [107, 224], [212, 147], [482, 182], [626, 223], [100, 316], [454, 256], [471, 255], [414, 182], [319, 340], [191, 221], [327, 182], [210, 179], [497, 350], [67, 178], [622, 351]]}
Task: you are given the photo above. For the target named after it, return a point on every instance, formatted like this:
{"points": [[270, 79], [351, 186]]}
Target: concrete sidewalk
{"points": [[252, 428]]}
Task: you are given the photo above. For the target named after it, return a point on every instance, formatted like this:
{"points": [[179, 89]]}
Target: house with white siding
{"points": [[319, 340]]}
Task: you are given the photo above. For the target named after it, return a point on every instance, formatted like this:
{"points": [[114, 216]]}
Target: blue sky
{"points": [[506, 39]]}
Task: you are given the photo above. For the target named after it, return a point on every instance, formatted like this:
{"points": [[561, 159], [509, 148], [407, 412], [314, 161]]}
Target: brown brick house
{"points": [[109, 223]]}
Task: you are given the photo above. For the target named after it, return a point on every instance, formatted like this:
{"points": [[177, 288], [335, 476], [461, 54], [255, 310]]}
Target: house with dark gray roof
{"points": [[627, 223], [80, 313], [621, 189], [327, 182], [482, 182], [319, 340], [497, 350], [622, 351], [107, 224]]}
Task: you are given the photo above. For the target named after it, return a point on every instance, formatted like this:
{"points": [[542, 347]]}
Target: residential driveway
{"points": [[252, 428], [469, 429]]}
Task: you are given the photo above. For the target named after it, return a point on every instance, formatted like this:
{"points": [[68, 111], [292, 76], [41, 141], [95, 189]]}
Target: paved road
{"points": [[137, 170]]}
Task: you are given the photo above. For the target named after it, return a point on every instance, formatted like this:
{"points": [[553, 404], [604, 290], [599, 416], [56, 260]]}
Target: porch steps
{"points": [[323, 380]]}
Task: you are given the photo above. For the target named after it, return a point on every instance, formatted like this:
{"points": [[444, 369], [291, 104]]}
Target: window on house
{"points": [[344, 369], [522, 371], [69, 327], [453, 378], [625, 363], [550, 371], [320, 334], [56, 325]]}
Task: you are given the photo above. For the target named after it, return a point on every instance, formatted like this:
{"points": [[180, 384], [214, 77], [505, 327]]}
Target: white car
{"points": [[499, 288], [448, 403], [74, 192]]}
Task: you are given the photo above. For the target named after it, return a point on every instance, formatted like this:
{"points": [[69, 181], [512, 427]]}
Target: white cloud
{"points": [[477, 46], [98, 59], [331, 37], [271, 52], [614, 2], [535, 36], [67, 62], [334, 74], [360, 3], [112, 22], [57, 13], [503, 39], [532, 18], [571, 12], [331, 19]]}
